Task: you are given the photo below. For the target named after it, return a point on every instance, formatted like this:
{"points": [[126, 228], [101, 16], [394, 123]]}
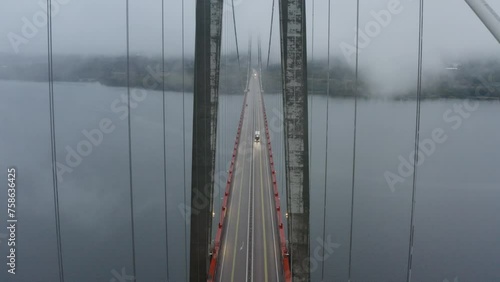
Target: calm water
{"points": [[458, 185]]}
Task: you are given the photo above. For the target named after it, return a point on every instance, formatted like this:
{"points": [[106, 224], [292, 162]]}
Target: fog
{"points": [[361, 139], [388, 51]]}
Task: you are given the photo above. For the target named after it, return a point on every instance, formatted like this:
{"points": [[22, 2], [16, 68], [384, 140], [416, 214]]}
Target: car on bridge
{"points": [[257, 136]]}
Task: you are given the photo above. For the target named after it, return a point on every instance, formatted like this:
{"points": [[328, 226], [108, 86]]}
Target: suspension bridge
{"points": [[256, 238], [250, 241]]}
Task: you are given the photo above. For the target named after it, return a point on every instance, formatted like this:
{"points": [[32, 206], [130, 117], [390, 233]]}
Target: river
{"points": [[457, 184]]}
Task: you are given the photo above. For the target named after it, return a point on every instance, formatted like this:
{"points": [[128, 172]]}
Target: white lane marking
{"points": [[253, 207], [242, 244], [248, 225], [253, 229]]}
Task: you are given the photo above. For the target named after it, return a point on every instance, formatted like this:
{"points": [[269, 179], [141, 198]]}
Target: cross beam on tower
{"points": [[206, 93], [294, 64]]}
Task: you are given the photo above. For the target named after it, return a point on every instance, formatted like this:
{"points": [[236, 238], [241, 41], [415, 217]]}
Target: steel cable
{"points": [[312, 92], [355, 140], [237, 46], [417, 136], [184, 139], [53, 140], [164, 132], [270, 35], [326, 137], [129, 121]]}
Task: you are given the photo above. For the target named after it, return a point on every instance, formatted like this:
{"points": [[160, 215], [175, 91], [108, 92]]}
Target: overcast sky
{"points": [[452, 31]]}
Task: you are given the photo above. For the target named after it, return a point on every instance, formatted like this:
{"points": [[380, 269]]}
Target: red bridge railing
{"points": [[220, 228], [284, 252]]}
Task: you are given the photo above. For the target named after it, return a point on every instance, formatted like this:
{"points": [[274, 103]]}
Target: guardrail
{"points": [[284, 252]]}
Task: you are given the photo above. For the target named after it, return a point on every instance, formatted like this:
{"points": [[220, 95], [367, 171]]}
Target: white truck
{"points": [[257, 136]]}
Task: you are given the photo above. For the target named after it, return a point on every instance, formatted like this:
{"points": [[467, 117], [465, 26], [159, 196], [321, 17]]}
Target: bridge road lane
{"points": [[234, 249], [250, 248], [267, 263]]}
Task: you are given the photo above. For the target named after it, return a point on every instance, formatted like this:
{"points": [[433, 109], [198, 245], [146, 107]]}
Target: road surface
{"points": [[250, 245]]}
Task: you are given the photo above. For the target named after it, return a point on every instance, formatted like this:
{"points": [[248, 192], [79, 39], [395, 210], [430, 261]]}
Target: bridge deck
{"points": [[250, 247]]}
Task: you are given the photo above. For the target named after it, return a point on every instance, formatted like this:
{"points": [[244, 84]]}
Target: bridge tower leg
{"points": [[206, 93], [294, 65]]}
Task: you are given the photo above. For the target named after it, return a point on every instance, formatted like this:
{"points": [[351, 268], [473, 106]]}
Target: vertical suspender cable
{"points": [[283, 150], [219, 124], [312, 87], [280, 108], [326, 137], [236, 39], [164, 131], [53, 140], [283, 165], [222, 150], [312, 90], [225, 79], [130, 141], [356, 90], [270, 35], [417, 137], [184, 138], [221, 138], [226, 160]]}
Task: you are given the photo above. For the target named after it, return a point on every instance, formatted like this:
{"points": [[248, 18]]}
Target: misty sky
{"points": [[452, 31]]}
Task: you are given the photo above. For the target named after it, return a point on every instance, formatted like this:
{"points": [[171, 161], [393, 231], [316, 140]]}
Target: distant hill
{"points": [[468, 79], [106, 70]]}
